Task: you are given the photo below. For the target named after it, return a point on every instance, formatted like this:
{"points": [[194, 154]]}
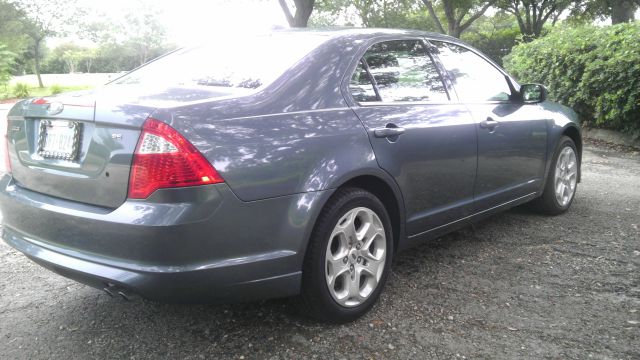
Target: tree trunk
{"points": [[433, 15], [88, 64], [304, 8], [622, 11], [36, 54]]}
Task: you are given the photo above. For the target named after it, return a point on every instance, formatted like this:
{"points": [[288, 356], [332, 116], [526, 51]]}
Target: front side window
{"points": [[474, 78], [403, 71]]}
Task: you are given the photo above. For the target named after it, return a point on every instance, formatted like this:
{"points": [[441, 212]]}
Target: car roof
{"points": [[365, 33]]}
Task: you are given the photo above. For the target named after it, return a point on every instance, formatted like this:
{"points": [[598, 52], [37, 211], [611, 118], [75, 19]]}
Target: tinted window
{"points": [[360, 86], [404, 72], [473, 77]]}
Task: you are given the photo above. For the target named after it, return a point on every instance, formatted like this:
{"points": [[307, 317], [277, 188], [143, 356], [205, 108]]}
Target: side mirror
{"points": [[533, 93]]}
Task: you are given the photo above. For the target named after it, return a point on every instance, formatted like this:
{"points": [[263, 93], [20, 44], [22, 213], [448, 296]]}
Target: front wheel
{"points": [[349, 257], [562, 181]]}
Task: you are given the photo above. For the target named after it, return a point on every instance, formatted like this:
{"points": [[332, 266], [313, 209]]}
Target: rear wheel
{"points": [[562, 180], [349, 257]]}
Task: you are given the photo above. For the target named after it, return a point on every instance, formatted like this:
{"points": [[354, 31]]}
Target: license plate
{"points": [[59, 139]]}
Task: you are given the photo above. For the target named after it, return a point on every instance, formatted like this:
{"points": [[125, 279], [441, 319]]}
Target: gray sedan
{"points": [[289, 163]]}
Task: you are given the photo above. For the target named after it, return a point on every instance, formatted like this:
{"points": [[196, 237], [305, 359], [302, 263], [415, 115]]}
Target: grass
{"points": [[8, 93]]}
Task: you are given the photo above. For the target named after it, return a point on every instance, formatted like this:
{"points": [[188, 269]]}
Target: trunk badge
{"points": [[15, 128], [55, 108]]}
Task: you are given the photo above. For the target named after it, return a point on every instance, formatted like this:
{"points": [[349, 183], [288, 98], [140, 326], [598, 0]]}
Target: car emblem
{"points": [[15, 128], [55, 108]]}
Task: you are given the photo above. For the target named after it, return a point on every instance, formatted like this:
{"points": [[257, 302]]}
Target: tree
{"points": [[146, 34], [458, 14], [139, 32], [620, 11], [6, 62], [406, 14], [303, 10], [532, 15], [494, 35], [11, 26], [44, 19]]}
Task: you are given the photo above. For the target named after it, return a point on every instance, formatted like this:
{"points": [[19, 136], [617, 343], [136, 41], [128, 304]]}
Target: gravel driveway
{"points": [[519, 285]]}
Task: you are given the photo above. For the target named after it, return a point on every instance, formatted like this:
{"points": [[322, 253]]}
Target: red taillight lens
{"points": [[165, 159], [4, 145]]}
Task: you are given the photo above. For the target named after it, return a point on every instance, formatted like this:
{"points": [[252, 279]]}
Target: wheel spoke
{"points": [[354, 286], [349, 228], [566, 175], [560, 188], [369, 235], [348, 265], [374, 268], [335, 268]]}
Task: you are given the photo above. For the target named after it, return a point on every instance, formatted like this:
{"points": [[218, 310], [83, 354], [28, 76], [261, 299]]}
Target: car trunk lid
{"points": [[104, 126], [58, 148]]}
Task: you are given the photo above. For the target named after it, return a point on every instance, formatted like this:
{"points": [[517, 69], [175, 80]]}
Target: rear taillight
{"points": [[165, 159], [4, 145]]}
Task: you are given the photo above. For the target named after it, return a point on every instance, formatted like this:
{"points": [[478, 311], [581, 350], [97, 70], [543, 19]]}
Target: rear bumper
{"points": [[193, 245], [197, 286]]}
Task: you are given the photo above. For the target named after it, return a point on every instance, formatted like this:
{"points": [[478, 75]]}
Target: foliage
{"points": [[458, 14], [405, 14], [495, 36], [44, 19], [124, 43], [533, 15], [11, 28], [21, 90], [6, 63], [618, 10], [594, 70], [56, 89]]}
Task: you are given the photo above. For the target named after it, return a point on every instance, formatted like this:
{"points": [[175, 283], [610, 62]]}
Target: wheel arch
{"points": [[381, 185], [392, 203]]}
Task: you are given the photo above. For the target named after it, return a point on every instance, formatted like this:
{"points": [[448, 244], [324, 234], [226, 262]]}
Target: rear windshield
{"points": [[241, 63]]}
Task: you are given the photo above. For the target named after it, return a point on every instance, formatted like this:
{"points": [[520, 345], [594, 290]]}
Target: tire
{"points": [[550, 203], [338, 273]]}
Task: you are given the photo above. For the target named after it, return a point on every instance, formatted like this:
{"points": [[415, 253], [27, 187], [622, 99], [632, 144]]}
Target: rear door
{"points": [[425, 141], [512, 136]]}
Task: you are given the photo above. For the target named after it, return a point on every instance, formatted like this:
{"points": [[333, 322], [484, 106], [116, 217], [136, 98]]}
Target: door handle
{"points": [[489, 124], [387, 132]]}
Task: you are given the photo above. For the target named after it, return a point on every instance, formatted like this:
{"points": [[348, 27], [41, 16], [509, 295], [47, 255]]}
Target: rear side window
{"points": [[474, 78], [402, 71], [360, 86]]}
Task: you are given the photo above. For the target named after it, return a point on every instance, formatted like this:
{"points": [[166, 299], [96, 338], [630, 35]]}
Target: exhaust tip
{"points": [[115, 291], [108, 291], [124, 295]]}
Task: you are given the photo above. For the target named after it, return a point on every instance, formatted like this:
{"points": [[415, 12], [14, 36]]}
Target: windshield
{"points": [[241, 63]]}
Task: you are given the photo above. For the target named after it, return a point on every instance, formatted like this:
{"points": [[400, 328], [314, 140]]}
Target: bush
{"points": [[56, 89], [594, 70], [21, 90]]}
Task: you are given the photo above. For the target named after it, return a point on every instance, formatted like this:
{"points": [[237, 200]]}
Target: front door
{"points": [[512, 136], [425, 141]]}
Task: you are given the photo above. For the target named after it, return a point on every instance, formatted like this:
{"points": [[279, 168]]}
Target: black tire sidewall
{"points": [[314, 281]]}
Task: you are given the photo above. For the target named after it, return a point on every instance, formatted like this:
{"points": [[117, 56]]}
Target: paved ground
{"points": [[518, 286]]}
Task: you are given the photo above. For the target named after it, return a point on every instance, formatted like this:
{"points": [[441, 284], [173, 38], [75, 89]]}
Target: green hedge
{"points": [[594, 70]]}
